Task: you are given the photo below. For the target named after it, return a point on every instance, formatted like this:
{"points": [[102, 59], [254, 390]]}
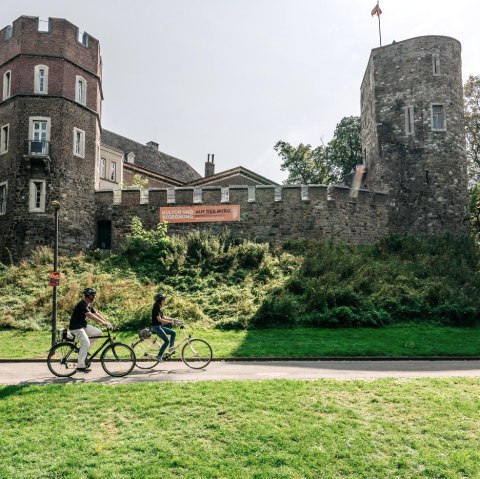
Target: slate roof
{"points": [[151, 159], [237, 171]]}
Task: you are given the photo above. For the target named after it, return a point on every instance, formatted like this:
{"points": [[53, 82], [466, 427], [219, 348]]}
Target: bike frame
{"points": [[184, 338], [107, 341]]}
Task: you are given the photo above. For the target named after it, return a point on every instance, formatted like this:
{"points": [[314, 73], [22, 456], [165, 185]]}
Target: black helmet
{"points": [[159, 297], [89, 292]]}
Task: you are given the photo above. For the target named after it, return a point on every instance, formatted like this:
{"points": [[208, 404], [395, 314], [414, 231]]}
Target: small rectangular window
{"points": [[41, 79], [37, 196], [251, 194], [81, 90], [7, 83], [113, 171], [4, 138], [103, 168], [225, 194], [409, 128], [79, 143], [3, 198], [438, 118], [436, 64]]}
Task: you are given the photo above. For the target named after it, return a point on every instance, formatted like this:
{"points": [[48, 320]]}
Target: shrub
{"points": [[278, 310], [202, 246]]}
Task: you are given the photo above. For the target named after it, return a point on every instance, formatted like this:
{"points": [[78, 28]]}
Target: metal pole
{"points": [[379, 30], [56, 206]]}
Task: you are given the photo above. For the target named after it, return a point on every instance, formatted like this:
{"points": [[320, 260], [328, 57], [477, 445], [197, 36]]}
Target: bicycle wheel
{"points": [[197, 353], [146, 351], [63, 360], [118, 359]]}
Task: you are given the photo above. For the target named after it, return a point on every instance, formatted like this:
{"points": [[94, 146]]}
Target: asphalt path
{"points": [[24, 373]]}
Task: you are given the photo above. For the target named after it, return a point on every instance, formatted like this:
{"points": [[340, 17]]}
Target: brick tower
{"points": [[413, 134], [50, 134]]}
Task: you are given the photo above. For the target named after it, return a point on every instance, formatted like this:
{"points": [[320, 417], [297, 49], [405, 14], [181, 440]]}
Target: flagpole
{"points": [[379, 29]]}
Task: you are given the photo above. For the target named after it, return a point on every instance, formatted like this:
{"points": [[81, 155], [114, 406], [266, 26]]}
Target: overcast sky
{"points": [[232, 77]]}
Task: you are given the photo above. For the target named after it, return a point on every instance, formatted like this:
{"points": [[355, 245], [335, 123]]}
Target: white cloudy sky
{"points": [[232, 77]]}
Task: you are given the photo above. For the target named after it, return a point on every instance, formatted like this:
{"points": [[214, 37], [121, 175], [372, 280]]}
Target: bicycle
{"points": [[117, 359], [196, 353]]}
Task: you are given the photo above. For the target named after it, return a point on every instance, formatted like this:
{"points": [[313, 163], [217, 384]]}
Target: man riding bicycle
{"points": [[83, 331]]}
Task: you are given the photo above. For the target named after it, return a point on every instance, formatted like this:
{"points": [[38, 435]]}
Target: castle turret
{"points": [[50, 124], [413, 134]]}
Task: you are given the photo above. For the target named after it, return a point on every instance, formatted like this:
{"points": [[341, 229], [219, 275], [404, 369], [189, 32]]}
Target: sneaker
{"points": [[159, 359], [84, 370], [171, 350]]}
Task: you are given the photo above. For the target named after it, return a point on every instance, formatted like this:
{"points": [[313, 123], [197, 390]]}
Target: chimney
{"points": [[209, 166], [153, 145]]}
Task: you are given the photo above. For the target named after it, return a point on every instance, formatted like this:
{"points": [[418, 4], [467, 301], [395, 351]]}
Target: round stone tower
{"points": [[413, 134], [50, 134]]}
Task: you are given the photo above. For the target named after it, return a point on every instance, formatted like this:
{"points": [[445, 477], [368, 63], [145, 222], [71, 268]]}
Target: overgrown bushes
{"points": [[399, 279], [221, 281]]}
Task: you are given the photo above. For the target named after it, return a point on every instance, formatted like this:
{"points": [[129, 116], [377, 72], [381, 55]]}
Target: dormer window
{"points": [[7, 83], [41, 80], [81, 90], [131, 157]]}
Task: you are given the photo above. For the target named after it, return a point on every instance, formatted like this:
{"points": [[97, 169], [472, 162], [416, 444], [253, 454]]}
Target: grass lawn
{"points": [[391, 428], [396, 340]]}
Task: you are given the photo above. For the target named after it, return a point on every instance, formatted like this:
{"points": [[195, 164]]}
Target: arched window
{"points": [[81, 90], [41, 80]]}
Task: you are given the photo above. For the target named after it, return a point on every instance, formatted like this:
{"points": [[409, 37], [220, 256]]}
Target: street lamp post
{"points": [[56, 206]]}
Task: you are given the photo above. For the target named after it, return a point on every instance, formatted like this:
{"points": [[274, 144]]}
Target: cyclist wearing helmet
{"points": [[158, 326], [83, 332]]}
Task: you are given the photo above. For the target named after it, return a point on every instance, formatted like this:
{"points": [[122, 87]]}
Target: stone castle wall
{"points": [[423, 168], [67, 177], [326, 213]]}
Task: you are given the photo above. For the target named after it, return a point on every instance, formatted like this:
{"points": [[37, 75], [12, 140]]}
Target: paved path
{"points": [[38, 373]]}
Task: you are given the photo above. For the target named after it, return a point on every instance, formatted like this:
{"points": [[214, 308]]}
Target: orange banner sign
{"points": [[55, 278], [200, 214]]}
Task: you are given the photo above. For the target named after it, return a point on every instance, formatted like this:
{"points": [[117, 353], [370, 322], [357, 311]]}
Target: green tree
{"points": [[474, 209], [472, 123], [304, 164], [325, 163], [345, 149]]}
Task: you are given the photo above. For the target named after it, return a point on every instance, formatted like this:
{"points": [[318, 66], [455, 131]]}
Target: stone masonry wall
{"points": [[327, 213], [424, 170]]}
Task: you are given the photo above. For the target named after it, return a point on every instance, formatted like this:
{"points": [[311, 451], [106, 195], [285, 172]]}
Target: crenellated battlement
{"points": [[269, 212], [59, 38], [238, 194]]}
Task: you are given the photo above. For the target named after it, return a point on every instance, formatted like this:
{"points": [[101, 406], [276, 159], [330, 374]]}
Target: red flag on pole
{"points": [[376, 10]]}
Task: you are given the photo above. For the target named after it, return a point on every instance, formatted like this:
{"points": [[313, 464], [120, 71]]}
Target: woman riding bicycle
{"points": [[159, 320]]}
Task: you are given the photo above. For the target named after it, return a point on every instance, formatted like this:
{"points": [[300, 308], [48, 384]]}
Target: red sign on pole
{"points": [[55, 278]]}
